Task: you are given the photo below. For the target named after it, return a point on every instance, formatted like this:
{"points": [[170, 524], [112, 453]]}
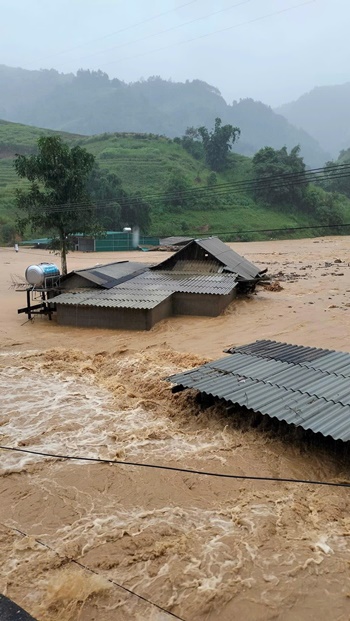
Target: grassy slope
{"points": [[144, 163], [16, 138]]}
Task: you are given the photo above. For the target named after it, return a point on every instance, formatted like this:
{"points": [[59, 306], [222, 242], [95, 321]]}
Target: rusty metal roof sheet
{"points": [[307, 387]]}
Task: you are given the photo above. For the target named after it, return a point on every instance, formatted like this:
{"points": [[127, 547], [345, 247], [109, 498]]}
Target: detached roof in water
{"points": [[9, 611], [304, 386], [213, 254]]}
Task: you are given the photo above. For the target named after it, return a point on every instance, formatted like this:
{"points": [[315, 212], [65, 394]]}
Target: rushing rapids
{"points": [[204, 548]]}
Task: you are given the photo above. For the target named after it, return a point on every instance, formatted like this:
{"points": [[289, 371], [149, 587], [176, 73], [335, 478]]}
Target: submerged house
{"points": [[202, 278]]}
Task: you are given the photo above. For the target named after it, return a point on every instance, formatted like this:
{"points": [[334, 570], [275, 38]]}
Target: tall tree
{"points": [[335, 180], [120, 208], [269, 168], [191, 143], [178, 193], [218, 143], [106, 189], [57, 199]]}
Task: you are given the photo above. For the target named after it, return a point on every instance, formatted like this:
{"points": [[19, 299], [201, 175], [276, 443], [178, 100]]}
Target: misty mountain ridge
{"points": [[90, 103], [324, 113]]}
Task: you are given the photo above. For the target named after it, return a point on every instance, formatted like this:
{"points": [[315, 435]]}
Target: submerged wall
{"points": [[143, 319], [108, 318], [201, 304], [112, 318]]}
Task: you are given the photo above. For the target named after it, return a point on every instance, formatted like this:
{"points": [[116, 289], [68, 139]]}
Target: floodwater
{"points": [[206, 549]]}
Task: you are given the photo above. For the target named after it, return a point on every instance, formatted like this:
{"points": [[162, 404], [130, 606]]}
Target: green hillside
{"points": [[144, 163]]}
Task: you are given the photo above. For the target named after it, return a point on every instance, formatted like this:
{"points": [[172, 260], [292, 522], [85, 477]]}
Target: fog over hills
{"points": [[91, 103], [324, 113]]}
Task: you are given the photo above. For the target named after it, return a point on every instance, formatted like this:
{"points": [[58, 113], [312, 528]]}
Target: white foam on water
{"points": [[189, 556], [71, 415], [207, 552]]}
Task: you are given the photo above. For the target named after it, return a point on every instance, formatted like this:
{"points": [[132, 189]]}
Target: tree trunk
{"points": [[63, 250]]}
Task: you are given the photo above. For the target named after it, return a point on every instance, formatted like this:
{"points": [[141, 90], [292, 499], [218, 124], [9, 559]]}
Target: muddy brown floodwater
{"points": [[207, 549]]}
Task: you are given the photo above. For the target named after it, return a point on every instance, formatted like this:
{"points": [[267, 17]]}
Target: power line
{"points": [[176, 27], [327, 171], [132, 201], [291, 228], [251, 21], [89, 258], [174, 469], [318, 174], [323, 173], [96, 573], [112, 34], [197, 234]]}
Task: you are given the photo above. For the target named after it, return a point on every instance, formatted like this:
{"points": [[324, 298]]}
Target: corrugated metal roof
{"points": [[149, 289], [111, 274], [280, 351], [175, 241], [114, 298], [216, 257], [307, 387], [327, 360], [231, 259], [213, 284], [195, 266]]}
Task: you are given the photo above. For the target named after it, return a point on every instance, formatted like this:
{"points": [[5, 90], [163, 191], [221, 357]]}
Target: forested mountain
{"points": [[90, 103], [325, 114]]}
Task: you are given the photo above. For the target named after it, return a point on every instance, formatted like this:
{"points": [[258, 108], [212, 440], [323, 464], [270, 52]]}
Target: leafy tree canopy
{"points": [[218, 143], [178, 192], [342, 183], [116, 207], [269, 167], [213, 145], [328, 207], [57, 199]]}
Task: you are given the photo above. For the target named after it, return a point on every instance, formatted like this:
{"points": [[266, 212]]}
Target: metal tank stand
{"points": [[42, 308]]}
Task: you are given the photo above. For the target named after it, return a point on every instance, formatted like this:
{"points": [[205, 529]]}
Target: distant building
{"points": [[113, 241], [202, 278]]}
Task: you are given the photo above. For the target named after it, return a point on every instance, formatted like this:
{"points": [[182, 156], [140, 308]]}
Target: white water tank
{"points": [[35, 275]]}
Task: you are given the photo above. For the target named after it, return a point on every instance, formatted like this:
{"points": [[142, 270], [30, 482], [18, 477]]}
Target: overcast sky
{"points": [[247, 48]]}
